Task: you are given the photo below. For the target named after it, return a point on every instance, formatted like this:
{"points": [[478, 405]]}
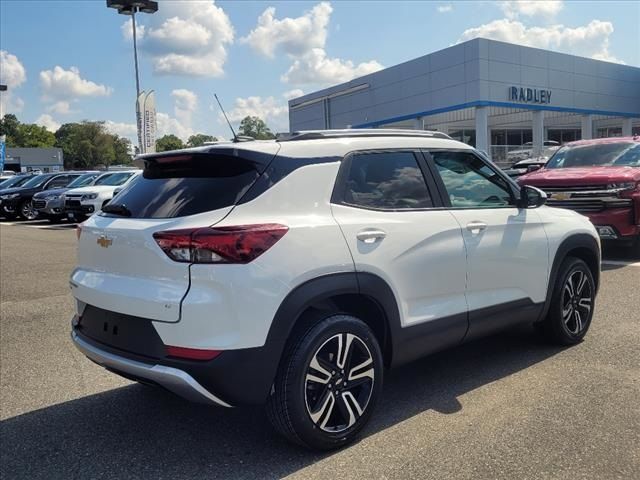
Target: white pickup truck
{"points": [[81, 203]]}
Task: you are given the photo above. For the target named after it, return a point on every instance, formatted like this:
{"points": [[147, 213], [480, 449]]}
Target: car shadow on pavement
{"points": [[142, 432]]}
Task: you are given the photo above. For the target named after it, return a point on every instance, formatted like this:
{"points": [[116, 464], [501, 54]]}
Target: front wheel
{"points": [[572, 303], [27, 212], [328, 384]]}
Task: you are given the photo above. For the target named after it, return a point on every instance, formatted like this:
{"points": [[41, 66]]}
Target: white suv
{"points": [[293, 272]]}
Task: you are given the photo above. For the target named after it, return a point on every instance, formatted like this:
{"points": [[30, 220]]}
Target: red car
{"points": [[598, 178]]}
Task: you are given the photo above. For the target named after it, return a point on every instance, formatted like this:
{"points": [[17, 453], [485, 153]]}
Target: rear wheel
{"points": [[328, 384], [572, 303]]}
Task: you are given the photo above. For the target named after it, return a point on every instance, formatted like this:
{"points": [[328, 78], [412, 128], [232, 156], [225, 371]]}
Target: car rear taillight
{"points": [[191, 353], [237, 244]]}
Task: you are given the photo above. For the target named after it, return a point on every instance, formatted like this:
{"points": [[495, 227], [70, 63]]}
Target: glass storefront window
{"points": [[465, 136]]}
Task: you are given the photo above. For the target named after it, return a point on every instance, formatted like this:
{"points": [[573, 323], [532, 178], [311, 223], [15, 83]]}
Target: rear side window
{"points": [[187, 184], [386, 180]]}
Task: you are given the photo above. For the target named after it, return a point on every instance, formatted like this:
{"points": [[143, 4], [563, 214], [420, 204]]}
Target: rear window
{"points": [[188, 184], [386, 180]]}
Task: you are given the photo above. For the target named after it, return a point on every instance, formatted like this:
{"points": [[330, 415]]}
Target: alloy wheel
{"points": [[339, 382], [28, 211], [576, 302]]}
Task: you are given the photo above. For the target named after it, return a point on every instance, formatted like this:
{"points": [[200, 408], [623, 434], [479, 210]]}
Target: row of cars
{"points": [[62, 195]]}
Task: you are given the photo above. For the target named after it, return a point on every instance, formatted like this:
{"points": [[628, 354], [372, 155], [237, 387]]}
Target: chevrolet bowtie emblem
{"points": [[104, 241]]}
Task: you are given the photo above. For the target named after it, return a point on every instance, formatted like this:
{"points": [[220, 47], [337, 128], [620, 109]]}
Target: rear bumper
{"points": [[173, 379], [131, 347]]}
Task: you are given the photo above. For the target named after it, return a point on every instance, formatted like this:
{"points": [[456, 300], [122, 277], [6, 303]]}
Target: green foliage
{"points": [[9, 127], [27, 135], [256, 128], [168, 142], [199, 139], [88, 145], [84, 144]]}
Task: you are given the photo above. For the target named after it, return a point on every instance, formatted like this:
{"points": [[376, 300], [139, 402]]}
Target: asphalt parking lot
{"points": [[505, 407]]}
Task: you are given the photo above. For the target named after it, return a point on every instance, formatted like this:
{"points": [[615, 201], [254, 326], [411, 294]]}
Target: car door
{"points": [[506, 246], [390, 217]]}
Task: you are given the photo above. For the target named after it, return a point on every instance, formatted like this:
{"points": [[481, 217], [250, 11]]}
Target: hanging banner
{"points": [[139, 119], [149, 123]]}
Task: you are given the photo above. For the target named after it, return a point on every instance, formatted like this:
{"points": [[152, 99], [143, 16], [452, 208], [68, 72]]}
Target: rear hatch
{"points": [[121, 268]]}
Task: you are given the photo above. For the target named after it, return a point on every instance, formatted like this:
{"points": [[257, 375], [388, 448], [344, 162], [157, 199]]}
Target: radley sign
{"points": [[529, 95]]}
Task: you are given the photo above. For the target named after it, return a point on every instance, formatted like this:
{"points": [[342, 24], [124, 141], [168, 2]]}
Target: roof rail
{"points": [[358, 132]]}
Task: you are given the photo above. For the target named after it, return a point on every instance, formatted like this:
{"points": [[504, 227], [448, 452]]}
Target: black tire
{"points": [[572, 303], [299, 387]]}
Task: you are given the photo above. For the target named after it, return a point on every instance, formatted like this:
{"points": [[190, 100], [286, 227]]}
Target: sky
{"points": [[66, 61]]}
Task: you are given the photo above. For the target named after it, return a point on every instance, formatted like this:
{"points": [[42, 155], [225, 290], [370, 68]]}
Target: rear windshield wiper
{"points": [[117, 209]]}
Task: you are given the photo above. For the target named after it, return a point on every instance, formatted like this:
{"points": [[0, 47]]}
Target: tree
{"points": [[28, 135], [199, 139], [88, 145], [9, 127], [168, 142], [256, 128]]}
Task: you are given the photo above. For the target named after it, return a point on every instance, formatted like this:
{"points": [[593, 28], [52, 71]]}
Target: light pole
{"points": [[3, 138], [131, 7]]}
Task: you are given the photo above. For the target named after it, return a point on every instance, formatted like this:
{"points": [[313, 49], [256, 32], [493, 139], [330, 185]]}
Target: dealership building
{"points": [[493, 95]]}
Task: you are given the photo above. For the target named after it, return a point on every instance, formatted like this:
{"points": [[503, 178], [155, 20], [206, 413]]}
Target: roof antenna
{"points": [[235, 137]]}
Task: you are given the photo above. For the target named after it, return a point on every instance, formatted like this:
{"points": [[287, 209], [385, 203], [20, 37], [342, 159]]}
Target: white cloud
{"points": [[48, 122], [68, 85], [531, 8], [590, 40], [186, 38], [62, 107], [295, 93], [122, 129], [303, 40], [445, 8], [316, 68], [295, 36], [12, 74], [168, 125], [185, 104], [127, 30], [272, 111]]}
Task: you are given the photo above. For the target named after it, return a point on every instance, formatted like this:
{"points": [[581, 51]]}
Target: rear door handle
{"points": [[370, 236], [476, 227]]}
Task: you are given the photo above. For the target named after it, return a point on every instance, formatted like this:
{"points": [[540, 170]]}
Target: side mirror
{"points": [[533, 168], [532, 197]]}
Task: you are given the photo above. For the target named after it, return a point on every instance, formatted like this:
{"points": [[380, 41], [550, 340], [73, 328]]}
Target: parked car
{"points": [[549, 147], [526, 166], [50, 203], [292, 272], [600, 179], [16, 202], [83, 202]]}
